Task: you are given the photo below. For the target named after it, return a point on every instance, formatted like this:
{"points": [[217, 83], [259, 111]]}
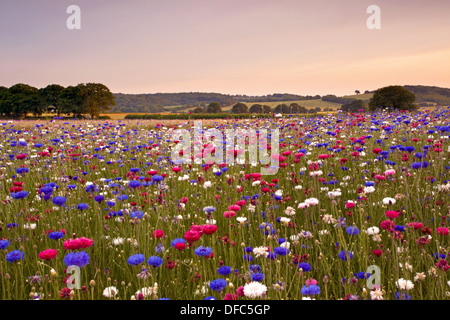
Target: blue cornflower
{"points": [[353, 231], [271, 255], [248, 257], [282, 251], [210, 298], [218, 285], [257, 276], [80, 259], [304, 266], [19, 195], [312, 289], [136, 259], [224, 270], [344, 254], [255, 268], [4, 244], [154, 261], [82, 206], [55, 235], [402, 296], [209, 209], [201, 251], [99, 199], [159, 248], [136, 214], [134, 184]]}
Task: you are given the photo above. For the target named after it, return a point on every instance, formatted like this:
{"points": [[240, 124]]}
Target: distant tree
{"points": [[72, 101], [256, 108], [239, 108], [294, 108], [357, 92], [267, 109], [353, 106], [282, 108], [366, 92], [50, 96], [97, 98], [214, 107], [21, 99], [198, 110], [393, 97], [4, 107]]}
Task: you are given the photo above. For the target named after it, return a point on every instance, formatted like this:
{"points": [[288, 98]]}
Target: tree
{"points": [[198, 110], [72, 101], [393, 97], [239, 108], [267, 109], [97, 98], [282, 108], [50, 96], [357, 92], [21, 99], [353, 106], [214, 107], [256, 108]]}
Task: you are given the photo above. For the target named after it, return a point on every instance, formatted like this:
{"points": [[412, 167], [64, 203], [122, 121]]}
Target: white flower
{"points": [[389, 201], [259, 251], [241, 219], [110, 292], [285, 220], [312, 201], [298, 187], [403, 284], [256, 183], [373, 230], [30, 226], [254, 289], [421, 276], [369, 189], [117, 241], [148, 291], [289, 211], [207, 184], [303, 205], [376, 294]]}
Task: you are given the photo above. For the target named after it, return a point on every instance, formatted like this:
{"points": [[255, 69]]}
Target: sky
{"points": [[251, 47]]}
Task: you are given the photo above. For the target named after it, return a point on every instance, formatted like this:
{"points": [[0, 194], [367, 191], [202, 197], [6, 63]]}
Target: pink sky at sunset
{"points": [[229, 46]]}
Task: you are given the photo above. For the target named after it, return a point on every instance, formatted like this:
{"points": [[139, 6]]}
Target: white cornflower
{"points": [[117, 241], [289, 211], [207, 184], [389, 201], [369, 189], [403, 284], [241, 219], [259, 251], [373, 230], [421, 276], [110, 292], [30, 226], [254, 290], [376, 294], [328, 218], [312, 201]]}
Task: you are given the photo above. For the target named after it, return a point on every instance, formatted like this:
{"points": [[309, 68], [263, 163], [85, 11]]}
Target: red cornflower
{"points": [[79, 243], [48, 254]]}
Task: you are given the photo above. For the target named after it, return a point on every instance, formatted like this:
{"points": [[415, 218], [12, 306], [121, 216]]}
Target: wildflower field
{"points": [[99, 210]]}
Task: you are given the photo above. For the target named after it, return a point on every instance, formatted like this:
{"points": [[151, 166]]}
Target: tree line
{"points": [[241, 108], [84, 99]]}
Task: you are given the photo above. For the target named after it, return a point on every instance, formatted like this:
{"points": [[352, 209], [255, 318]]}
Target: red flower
{"points": [[191, 236], [180, 246], [48, 254], [387, 225], [229, 214], [65, 293], [79, 243], [377, 252], [392, 214], [209, 229], [158, 234], [442, 231], [234, 208]]}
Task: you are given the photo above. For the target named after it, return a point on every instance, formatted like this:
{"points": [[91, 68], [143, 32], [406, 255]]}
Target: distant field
{"points": [[366, 96]]}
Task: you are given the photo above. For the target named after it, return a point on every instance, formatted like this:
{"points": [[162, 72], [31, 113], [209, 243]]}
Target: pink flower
{"points": [[48, 254], [442, 231], [392, 214]]}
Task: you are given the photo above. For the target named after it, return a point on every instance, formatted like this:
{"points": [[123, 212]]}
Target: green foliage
{"points": [[239, 108], [19, 100], [393, 97], [256, 108], [214, 107], [96, 98], [50, 96]]}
